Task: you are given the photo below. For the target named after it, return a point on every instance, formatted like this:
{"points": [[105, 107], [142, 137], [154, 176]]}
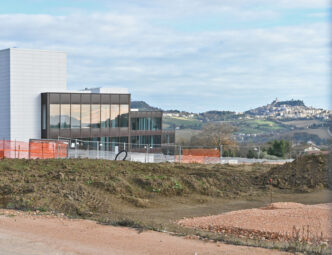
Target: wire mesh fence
{"points": [[146, 153]]}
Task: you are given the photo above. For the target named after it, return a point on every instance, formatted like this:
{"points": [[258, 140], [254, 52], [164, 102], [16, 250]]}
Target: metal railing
{"points": [[146, 153]]}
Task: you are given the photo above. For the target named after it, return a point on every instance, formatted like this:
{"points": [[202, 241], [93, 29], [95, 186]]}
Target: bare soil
{"points": [[155, 196], [277, 221], [28, 233]]}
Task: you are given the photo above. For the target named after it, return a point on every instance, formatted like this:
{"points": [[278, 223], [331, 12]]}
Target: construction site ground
{"points": [[147, 197], [23, 233]]}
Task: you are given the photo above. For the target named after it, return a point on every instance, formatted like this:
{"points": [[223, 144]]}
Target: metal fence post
{"points": [[145, 153], [220, 153], [97, 150], [180, 153], [75, 148]]}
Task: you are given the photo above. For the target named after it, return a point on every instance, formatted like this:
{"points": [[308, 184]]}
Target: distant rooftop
{"points": [[113, 90]]}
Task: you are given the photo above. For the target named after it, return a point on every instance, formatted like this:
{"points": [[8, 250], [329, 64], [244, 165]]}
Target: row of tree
{"points": [[222, 135]]}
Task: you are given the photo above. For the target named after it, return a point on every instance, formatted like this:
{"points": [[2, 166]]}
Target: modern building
{"points": [[24, 75], [35, 104]]}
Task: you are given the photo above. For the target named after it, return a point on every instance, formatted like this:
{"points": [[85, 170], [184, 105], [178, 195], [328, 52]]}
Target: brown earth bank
{"points": [[29, 233], [155, 196], [86, 187], [303, 175]]}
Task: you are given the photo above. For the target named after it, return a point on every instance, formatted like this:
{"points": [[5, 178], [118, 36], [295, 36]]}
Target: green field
{"points": [[259, 126], [182, 122]]}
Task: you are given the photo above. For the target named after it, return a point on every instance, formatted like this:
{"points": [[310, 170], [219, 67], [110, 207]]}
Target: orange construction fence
{"points": [[200, 156], [33, 149]]}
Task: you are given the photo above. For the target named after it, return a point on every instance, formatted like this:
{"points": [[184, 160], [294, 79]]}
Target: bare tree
{"points": [[216, 134]]}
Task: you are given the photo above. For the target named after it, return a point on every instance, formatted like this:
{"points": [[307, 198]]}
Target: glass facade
{"points": [[88, 116], [75, 116], [54, 115], [65, 116], [105, 121], [115, 112], [95, 115], [156, 123], [142, 140], [85, 116], [124, 115], [145, 123], [44, 119], [97, 118]]}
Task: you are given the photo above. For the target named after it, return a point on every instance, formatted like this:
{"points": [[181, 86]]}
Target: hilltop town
{"points": [[281, 110], [292, 109]]}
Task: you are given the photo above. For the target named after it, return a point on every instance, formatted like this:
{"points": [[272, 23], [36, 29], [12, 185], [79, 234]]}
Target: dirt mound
{"points": [[85, 187], [88, 187], [303, 174]]}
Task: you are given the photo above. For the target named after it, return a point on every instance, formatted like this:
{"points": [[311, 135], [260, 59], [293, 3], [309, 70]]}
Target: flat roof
{"points": [[24, 49]]}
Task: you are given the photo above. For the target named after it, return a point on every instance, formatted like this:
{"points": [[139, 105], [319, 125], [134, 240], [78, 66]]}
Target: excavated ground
{"points": [[155, 196]]}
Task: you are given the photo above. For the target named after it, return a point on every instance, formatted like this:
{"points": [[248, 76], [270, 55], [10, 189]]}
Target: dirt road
{"points": [[26, 233]]}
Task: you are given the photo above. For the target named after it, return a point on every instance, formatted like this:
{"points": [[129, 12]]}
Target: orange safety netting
{"points": [[200, 156], [33, 149]]}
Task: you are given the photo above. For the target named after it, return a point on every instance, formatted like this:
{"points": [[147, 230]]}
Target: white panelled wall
{"points": [[4, 95], [30, 72]]}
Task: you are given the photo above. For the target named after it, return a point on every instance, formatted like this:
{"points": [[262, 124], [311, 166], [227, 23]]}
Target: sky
{"points": [[193, 55]]}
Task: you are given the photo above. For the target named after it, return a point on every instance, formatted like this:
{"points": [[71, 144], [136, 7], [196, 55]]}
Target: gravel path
{"points": [[26, 233], [276, 221]]}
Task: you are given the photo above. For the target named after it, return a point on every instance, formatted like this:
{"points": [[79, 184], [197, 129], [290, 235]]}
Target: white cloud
{"points": [[165, 66]]}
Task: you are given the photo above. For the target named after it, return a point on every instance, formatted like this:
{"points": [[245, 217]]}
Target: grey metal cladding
{"points": [[124, 99], [106, 99], [95, 98], [75, 98], [54, 98], [115, 99], [86, 98], [65, 98]]}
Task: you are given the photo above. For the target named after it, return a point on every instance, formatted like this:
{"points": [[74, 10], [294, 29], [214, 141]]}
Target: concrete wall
{"points": [[4, 94], [31, 73]]}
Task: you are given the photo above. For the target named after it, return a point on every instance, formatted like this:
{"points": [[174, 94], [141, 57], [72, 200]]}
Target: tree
{"points": [[250, 154], [215, 134], [279, 148]]}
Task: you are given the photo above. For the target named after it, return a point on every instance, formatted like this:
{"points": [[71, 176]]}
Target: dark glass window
{"points": [[65, 116], [156, 140], [146, 123], [95, 115], [54, 115], [156, 124], [85, 119], [75, 116], [105, 116], [123, 139], [124, 110], [141, 123], [44, 114], [115, 111], [134, 123]]}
